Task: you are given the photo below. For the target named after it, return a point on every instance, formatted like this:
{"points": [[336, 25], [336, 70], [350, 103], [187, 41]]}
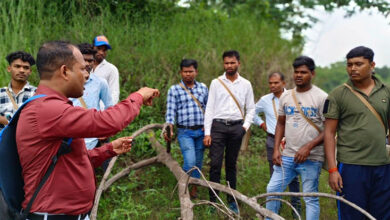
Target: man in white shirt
{"points": [[226, 123], [103, 68]]}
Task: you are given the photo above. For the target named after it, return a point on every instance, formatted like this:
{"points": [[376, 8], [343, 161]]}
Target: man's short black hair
{"points": [[280, 74], [231, 53], [86, 48], [24, 56], [361, 51], [52, 55], [188, 63], [304, 60]]}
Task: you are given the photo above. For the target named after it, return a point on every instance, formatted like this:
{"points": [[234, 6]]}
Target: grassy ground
{"points": [[148, 193]]}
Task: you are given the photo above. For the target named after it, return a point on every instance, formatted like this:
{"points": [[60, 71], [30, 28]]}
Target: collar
{"points": [[226, 79], [99, 65], [195, 84], [27, 86], [273, 95], [42, 89], [91, 77], [378, 85]]}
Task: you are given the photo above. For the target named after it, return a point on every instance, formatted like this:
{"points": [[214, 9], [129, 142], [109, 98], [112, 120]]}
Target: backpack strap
{"points": [[367, 104], [12, 99], [82, 102], [302, 114], [192, 96], [234, 98], [64, 149]]}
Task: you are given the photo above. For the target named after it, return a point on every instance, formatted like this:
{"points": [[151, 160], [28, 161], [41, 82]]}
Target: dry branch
{"points": [[102, 187], [126, 171], [287, 202], [316, 195], [186, 205], [175, 168]]}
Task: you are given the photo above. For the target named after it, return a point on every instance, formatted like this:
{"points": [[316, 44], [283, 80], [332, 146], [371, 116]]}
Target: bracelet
{"points": [[332, 170]]}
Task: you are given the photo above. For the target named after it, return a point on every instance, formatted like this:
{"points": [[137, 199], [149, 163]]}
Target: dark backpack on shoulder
{"points": [[11, 180]]}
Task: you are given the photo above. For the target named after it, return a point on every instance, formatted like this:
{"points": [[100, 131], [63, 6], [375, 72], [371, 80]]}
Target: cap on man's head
{"points": [[101, 40]]}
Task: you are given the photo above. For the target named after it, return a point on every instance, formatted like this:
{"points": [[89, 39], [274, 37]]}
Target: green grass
{"points": [[148, 193]]}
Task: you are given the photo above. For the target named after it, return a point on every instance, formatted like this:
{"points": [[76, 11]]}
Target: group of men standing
{"points": [[299, 122], [301, 126]]}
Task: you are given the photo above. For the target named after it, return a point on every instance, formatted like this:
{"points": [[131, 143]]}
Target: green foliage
{"points": [[292, 15], [328, 78]]}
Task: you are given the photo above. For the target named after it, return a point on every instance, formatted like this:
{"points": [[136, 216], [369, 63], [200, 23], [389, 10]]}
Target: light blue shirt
{"points": [[265, 105], [95, 89]]}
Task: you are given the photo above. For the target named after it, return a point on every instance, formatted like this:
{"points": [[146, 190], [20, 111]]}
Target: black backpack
{"points": [[11, 180]]}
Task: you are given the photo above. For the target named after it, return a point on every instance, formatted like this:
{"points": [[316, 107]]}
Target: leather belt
{"points": [[195, 127], [229, 122], [271, 135], [33, 216]]}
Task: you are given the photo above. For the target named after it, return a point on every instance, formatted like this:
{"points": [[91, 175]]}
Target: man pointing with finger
{"points": [[70, 189]]}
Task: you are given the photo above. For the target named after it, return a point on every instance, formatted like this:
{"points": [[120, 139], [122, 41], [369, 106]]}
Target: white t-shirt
{"points": [[298, 131]]}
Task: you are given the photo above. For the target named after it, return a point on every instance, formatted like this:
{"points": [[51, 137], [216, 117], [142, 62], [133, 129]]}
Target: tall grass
{"points": [[147, 50]]}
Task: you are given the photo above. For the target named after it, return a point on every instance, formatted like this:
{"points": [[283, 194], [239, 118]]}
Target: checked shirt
{"points": [[6, 107], [182, 108]]}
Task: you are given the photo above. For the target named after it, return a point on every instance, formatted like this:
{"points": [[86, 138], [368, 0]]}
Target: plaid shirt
{"points": [[182, 108], [6, 107]]}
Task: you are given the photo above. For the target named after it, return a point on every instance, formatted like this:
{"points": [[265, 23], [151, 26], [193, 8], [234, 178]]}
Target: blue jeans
{"points": [[192, 148], [309, 171]]}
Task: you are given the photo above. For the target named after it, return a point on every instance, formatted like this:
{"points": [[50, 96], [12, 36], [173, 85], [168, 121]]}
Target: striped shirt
{"points": [[6, 107], [181, 107]]}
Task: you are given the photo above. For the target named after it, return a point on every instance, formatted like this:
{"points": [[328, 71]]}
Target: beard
{"points": [[231, 72]]}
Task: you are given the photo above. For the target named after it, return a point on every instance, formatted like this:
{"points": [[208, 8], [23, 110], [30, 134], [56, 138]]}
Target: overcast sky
{"points": [[333, 36]]}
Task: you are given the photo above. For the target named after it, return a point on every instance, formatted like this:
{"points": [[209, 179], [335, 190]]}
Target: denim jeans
{"points": [[192, 148], [283, 175]]}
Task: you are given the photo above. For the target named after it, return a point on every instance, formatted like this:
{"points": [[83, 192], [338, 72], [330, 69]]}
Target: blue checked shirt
{"points": [[6, 107], [182, 108]]}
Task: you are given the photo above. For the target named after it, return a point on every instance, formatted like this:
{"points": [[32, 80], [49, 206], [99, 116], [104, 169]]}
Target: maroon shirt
{"points": [[42, 125]]}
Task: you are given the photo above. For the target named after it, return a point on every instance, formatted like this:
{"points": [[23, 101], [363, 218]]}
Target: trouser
{"points": [[106, 162], [366, 186], [225, 139], [192, 148], [294, 185], [283, 175]]}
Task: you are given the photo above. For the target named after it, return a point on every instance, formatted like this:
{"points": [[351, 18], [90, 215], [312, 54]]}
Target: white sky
{"points": [[333, 36]]}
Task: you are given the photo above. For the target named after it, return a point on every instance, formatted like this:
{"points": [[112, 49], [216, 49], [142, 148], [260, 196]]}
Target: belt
{"points": [[33, 216], [229, 122], [271, 135], [195, 127]]}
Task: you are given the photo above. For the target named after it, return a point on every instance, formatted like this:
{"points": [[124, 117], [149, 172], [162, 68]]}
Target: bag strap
{"points": [[64, 149], [274, 106], [12, 99], [234, 98], [192, 96], [367, 104], [302, 114], [82, 102]]}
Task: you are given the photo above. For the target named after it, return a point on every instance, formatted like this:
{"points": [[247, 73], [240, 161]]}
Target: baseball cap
{"points": [[100, 41]]}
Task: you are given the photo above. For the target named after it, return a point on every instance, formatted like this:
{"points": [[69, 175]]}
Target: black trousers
{"points": [[225, 140]]}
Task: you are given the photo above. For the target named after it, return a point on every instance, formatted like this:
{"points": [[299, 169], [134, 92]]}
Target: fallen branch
{"points": [[284, 201], [316, 195], [243, 198], [102, 187], [126, 171]]}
